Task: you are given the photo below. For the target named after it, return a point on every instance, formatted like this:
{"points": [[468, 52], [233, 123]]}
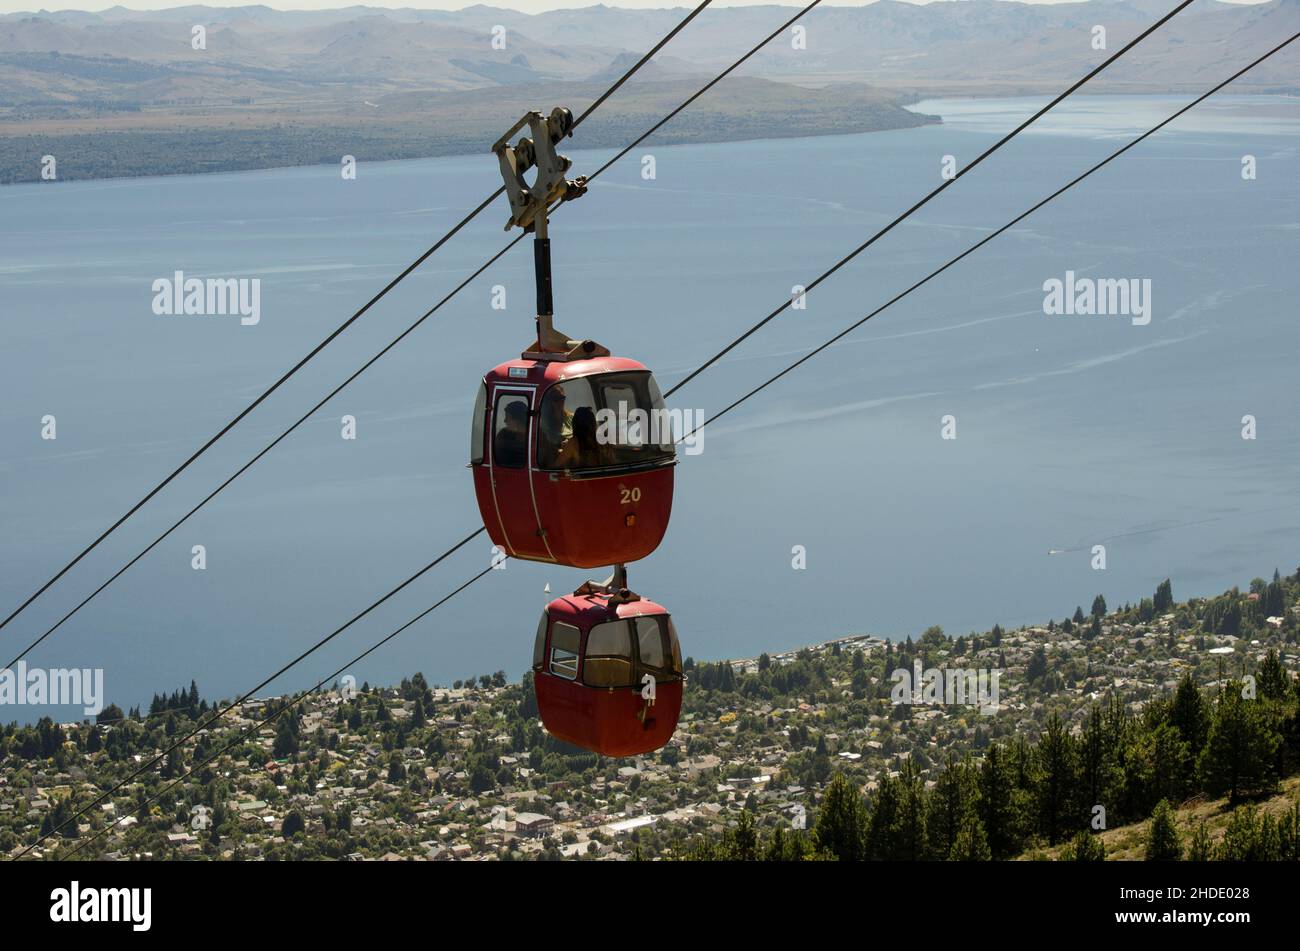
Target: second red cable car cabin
{"points": [[607, 668], [573, 459]]}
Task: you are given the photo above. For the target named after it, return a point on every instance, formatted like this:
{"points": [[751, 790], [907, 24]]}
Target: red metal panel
{"points": [[513, 514], [611, 721], [587, 520], [608, 721]]}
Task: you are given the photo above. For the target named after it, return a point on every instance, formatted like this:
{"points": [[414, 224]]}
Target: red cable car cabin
{"points": [[594, 662], [572, 465]]}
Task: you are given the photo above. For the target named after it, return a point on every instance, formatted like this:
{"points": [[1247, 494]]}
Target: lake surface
{"points": [[1071, 431]]}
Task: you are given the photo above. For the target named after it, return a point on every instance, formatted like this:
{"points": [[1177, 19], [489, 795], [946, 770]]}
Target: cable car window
{"points": [[608, 662], [556, 445], [539, 645], [650, 642], [674, 644], [631, 422], [665, 434], [477, 425], [565, 639], [510, 442], [612, 419]]}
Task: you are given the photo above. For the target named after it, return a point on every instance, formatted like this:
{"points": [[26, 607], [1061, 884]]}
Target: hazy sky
{"points": [[528, 6]]}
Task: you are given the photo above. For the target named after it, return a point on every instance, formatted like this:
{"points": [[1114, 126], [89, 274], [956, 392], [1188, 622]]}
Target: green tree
{"points": [[951, 802], [841, 828], [1240, 752], [1164, 598], [996, 804], [1200, 848], [1189, 714], [910, 841], [971, 844], [1155, 764], [293, 823], [1273, 679], [745, 838], [1057, 780], [1084, 847], [1037, 667], [1163, 844], [286, 737]]}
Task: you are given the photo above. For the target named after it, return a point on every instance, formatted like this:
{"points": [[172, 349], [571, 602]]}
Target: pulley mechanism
{"points": [[529, 208], [529, 203], [615, 586]]}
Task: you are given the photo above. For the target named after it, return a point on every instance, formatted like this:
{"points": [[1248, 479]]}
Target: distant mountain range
{"points": [[120, 70], [953, 47]]}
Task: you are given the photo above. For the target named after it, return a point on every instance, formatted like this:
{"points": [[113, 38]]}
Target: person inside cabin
{"points": [[583, 450], [511, 446], [555, 428]]}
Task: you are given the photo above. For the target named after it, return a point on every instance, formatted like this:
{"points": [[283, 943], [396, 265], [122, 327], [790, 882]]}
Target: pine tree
{"points": [[1164, 598], [744, 839], [286, 737], [996, 808], [971, 844], [1273, 678], [951, 803], [1289, 831], [293, 823], [1163, 844], [1167, 753], [883, 823], [1188, 713], [1200, 848], [1037, 666], [1057, 783], [1084, 847], [1098, 606], [841, 823], [911, 838], [1273, 601], [1098, 773], [1239, 758], [1241, 840]]}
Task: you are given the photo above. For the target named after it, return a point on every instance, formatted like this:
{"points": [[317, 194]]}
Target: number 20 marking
{"points": [[630, 495]]}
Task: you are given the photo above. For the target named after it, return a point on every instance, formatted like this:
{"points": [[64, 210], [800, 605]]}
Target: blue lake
{"points": [[1072, 431]]}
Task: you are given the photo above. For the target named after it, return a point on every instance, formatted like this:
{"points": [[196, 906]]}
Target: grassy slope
{"points": [[1128, 843]]}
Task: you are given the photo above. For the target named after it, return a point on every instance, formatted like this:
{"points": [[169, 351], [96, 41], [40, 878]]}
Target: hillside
{"points": [[808, 754], [270, 88], [1129, 843], [405, 125]]}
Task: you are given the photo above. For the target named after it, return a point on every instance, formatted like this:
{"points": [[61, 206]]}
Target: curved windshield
{"points": [[656, 642], [539, 645], [619, 653], [477, 425], [596, 422], [608, 662]]}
